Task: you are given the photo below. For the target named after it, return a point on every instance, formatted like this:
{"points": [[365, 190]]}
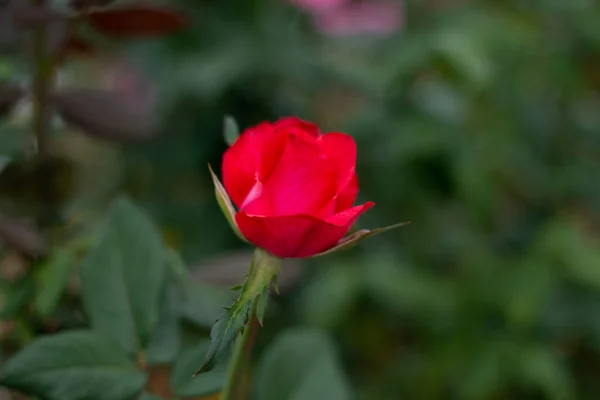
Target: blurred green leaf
{"points": [[72, 366], [177, 269], [398, 288], [185, 385], [331, 295], [51, 279], [484, 374], [465, 55], [166, 340], [442, 101], [199, 303], [528, 291], [204, 304], [7, 68], [122, 277], [150, 396], [541, 368], [231, 131], [578, 256], [18, 297], [301, 365]]}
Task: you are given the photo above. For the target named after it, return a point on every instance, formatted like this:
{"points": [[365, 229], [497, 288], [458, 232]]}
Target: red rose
{"points": [[294, 187]]}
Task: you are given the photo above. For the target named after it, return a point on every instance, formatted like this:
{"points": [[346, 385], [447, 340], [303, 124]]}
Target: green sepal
{"points": [[253, 299], [261, 304], [276, 284], [231, 131], [225, 204], [236, 288], [353, 239]]}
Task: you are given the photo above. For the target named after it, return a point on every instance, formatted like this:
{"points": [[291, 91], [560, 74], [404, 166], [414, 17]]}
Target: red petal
{"points": [[347, 195], [302, 182], [307, 130], [251, 157], [298, 236], [297, 123], [258, 201], [340, 150], [136, 20]]}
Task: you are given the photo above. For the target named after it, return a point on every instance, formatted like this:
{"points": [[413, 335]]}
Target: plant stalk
{"points": [[43, 80], [239, 359]]}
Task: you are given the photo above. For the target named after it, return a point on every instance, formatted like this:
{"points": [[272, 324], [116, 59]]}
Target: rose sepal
{"points": [[253, 298], [358, 236], [225, 204]]}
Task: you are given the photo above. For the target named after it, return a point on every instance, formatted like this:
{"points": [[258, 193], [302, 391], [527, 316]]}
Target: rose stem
{"points": [[241, 354]]}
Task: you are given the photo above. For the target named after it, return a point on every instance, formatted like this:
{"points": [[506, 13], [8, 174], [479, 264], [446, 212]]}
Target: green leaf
{"points": [[231, 131], [166, 341], [225, 204], [301, 365], [573, 251], [353, 239], [150, 396], [204, 304], [405, 290], [73, 366], [177, 268], [185, 385], [540, 367], [18, 298], [263, 268], [330, 297], [465, 55], [51, 280], [123, 276], [482, 376]]}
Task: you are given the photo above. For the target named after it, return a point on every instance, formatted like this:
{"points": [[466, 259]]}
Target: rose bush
{"points": [[294, 187]]}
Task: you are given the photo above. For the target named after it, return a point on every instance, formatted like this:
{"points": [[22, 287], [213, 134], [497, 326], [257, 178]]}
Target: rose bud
{"points": [[294, 187]]}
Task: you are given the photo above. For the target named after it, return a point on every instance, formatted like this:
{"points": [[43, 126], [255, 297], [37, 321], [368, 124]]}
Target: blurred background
{"points": [[478, 121]]}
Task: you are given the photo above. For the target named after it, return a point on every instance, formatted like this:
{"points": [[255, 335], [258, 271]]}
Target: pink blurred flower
{"points": [[351, 17], [318, 5]]}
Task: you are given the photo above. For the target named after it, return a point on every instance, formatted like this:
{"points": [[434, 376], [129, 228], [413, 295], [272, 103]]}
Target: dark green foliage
{"points": [[202, 385], [134, 301], [52, 278], [123, 276], [477, 121], [315, 372], [75, 365]]}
